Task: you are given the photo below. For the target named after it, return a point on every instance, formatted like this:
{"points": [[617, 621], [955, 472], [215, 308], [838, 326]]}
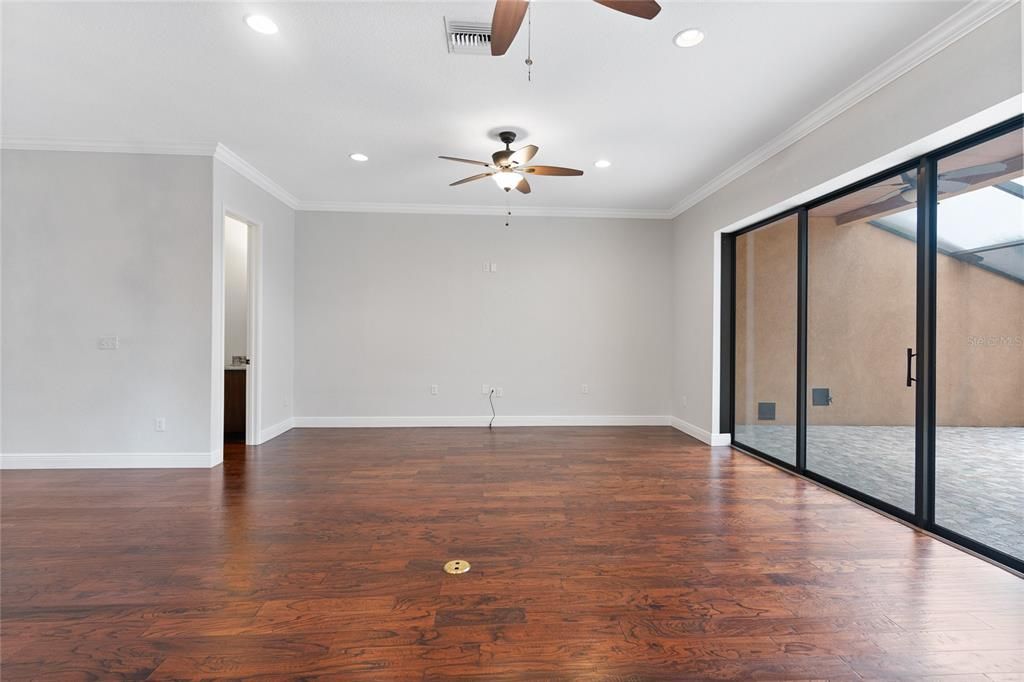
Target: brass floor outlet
{"points": [[456, 566]]}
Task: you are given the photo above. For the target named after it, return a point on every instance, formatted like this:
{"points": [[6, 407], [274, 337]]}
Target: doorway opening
{"points": [[238, 326]]}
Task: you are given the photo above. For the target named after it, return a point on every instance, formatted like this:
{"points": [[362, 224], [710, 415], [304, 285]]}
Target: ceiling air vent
{"points": [[467, 37]]}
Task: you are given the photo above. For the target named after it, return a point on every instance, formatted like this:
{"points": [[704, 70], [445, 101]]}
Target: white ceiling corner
{"points": [[254, 175], [931, 43]]}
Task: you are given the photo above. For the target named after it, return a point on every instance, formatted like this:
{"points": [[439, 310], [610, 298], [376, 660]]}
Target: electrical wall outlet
{"points": [[484, 389], [160, 424], [108, 343], [585, 389], [499, 392], [433, 389], [494, 267], [490, 267], [683, 400]]}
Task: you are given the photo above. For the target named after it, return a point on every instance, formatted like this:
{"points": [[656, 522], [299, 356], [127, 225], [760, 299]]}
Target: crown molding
{"points": [[255, 176], [49, 144], [232, 160], [942, 36], [459, 209]]}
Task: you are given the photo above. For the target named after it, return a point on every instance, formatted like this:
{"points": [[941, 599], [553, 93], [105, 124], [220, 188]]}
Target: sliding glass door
{"points": [[877, 340], [861, 321], [979, 434]]}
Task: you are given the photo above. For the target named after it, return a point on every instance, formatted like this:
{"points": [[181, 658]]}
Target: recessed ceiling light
{"points": [[359, 157], [261, 24], [689, 37], [602, 163]]}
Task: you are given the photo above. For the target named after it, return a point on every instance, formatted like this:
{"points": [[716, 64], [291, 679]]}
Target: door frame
{"points": [[926, 168], [254, 331]]}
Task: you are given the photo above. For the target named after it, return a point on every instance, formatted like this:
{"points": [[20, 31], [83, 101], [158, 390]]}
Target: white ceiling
{"points": [[375, 77]]}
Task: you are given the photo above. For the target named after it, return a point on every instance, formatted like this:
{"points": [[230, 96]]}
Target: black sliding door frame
{"points": [[925, 168]]}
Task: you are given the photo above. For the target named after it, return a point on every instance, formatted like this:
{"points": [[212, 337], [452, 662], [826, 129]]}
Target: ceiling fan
{"points": [[508, 17], [507, 167], [906, 186]]}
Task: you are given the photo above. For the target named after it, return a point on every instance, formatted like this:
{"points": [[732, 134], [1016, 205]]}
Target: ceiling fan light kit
{"points": [[507, 180], [508, 168]]}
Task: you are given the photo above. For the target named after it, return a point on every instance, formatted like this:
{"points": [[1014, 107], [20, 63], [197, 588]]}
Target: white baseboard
{"points": [[703, 435], [111, 460], [276, 430], [501, 420]]}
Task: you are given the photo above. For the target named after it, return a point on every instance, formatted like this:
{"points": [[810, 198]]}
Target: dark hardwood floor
{"points": [[598, 554]]}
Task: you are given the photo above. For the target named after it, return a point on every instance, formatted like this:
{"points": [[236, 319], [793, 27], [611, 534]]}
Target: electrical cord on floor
{"points": [[490, 399]]}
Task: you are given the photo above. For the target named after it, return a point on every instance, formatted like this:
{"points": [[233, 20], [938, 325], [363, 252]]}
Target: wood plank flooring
{"points": [[598, 553]]}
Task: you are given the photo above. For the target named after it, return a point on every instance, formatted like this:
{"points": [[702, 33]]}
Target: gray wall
{"points": [[978, 71], [102, 245], [387, 305]]}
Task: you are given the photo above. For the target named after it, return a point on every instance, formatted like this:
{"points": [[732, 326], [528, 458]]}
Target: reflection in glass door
{"points": [[861, 329], [979, 437], [765, 312]]}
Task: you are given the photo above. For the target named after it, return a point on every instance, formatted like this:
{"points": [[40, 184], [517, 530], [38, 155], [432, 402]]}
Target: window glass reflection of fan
{"points": [[949, 182], [507, 166]]}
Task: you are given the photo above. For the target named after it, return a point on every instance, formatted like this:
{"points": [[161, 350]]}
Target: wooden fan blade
{"points": [[508, 16], [551, 170], [523, 155], [470, 179], [645, 9], [523, 186], [475, 163]]}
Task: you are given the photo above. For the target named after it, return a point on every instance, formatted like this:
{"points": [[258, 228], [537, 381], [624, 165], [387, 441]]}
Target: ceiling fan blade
{"points": [[984, 169], [471, 179], [508, 16], [889, 195], [523, 186], [550, 170], [947, 186], [475, 163], [523, 155], [645, 9]]}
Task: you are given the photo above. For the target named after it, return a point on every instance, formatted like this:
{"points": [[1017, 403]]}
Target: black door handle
{"points": [[910, 360]]}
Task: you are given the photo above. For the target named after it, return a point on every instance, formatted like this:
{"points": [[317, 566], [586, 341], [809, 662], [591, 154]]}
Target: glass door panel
{"points": [[979, 438], [862, 302], [765, 334]]}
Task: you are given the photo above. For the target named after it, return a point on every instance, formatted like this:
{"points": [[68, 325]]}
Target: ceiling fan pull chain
{"points": [[508, 212], [529, 43]]}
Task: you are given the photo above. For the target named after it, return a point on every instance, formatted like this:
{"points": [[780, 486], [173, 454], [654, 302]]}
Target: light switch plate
{"points": [[109, 343]]}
